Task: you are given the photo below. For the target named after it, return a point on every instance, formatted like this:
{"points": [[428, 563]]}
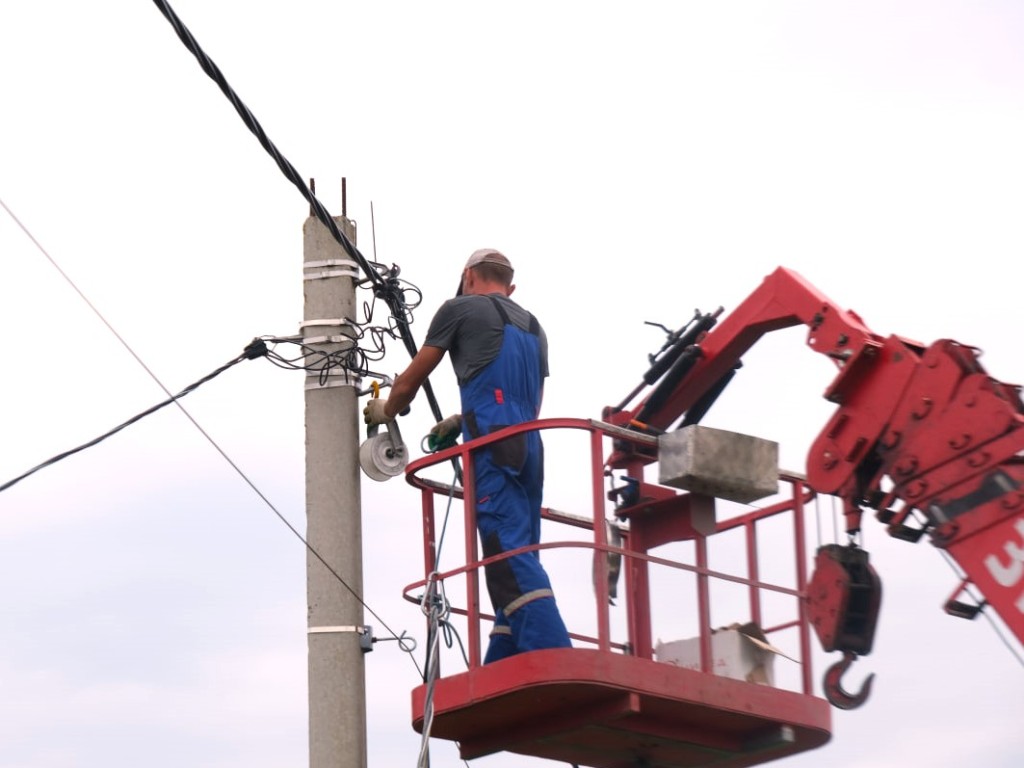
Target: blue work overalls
{"points": [[508, 482]]}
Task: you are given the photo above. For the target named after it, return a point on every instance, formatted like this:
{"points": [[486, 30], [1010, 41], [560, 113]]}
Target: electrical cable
{"points": [[213, 71], [254, 350], [388, 289], [354, 359]]}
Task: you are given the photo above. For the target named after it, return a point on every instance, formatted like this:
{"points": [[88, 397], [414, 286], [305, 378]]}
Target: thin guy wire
{"points": [[88, 303]]}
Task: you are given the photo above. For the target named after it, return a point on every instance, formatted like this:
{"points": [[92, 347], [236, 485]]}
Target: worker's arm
{"points": [[409, 381]]}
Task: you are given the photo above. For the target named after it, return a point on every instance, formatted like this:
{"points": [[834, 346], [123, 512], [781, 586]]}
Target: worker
{"points": [[499, 353]]}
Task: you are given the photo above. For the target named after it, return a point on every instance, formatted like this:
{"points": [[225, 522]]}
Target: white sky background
{"points": [[635, 161]]}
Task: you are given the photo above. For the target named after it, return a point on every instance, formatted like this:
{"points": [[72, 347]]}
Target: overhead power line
{"points": [[387, 289], [257, 348], [211, 69]]}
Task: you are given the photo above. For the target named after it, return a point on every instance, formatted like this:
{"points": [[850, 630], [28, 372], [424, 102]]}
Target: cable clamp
{"points": [[348, 269], [329, 263], [327, 340], [316, 379], [365, 634], [332, 273], [326, 322]]}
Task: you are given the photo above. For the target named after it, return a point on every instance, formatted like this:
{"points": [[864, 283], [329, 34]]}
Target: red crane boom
{"points": [[922, 435]]}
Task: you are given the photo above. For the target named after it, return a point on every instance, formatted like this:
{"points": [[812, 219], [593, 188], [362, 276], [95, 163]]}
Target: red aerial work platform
{"points": [[609, 703]]}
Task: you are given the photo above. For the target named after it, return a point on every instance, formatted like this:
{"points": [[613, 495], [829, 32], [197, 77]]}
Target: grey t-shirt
{"points": [[471, 330]]}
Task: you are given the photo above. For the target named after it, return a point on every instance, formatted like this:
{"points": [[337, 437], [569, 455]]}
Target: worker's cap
{"points": [[485, 256], [488, 256]]}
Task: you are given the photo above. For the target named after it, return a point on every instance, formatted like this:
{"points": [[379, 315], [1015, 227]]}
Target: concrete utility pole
{"points": [[336, 633]]}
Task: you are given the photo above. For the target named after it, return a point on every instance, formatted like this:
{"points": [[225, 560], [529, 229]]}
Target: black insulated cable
{"points": [[211, 69], [251, 352], [392, 297]]}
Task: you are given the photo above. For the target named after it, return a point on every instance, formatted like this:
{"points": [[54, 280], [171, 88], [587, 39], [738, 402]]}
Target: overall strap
{"points": [[534, 326]]}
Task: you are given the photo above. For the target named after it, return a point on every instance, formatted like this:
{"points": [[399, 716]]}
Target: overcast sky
{"points": [[635, 162]]}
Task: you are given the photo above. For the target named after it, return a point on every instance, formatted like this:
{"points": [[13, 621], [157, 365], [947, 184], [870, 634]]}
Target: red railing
{"points": [[636, 559]]}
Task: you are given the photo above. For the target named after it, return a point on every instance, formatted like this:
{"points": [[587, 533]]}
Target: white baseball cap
{"points": [[488, 256], [485, 256]]}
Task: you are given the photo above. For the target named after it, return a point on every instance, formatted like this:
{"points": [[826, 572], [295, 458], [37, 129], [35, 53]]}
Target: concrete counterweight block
{"points": [[714, 462]]}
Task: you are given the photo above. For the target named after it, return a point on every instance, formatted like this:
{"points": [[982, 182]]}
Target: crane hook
{"points": [[833, 685]]}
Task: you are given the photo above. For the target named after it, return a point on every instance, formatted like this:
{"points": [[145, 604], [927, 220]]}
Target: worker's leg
{"points": [[518, 584], [537, 623], [501, 644]]}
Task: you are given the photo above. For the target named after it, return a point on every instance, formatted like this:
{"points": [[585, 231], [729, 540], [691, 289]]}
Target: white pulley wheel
{"points": [[380, 459]]}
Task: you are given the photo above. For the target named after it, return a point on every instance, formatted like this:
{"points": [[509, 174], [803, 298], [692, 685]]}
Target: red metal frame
{"points": [[607, 702]]}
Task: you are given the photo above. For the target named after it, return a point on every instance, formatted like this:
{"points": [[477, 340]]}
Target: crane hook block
{"points": [[843, 599]]}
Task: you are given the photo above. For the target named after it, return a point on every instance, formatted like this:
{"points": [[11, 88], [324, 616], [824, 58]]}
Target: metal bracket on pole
{"points": [[335, 322], [316, 379], [311, 340], [328, 321], [365, 634], [349, 268]]}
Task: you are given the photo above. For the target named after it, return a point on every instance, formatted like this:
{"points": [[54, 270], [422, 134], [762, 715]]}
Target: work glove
{"points": [[373, 413], [445, 433]]}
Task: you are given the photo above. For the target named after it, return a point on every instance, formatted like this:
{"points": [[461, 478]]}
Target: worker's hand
{"points": [[373, 413], [445, 432]]}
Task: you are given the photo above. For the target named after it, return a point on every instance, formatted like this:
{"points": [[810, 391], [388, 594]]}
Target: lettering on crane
{"points": [[1010, 574]]}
